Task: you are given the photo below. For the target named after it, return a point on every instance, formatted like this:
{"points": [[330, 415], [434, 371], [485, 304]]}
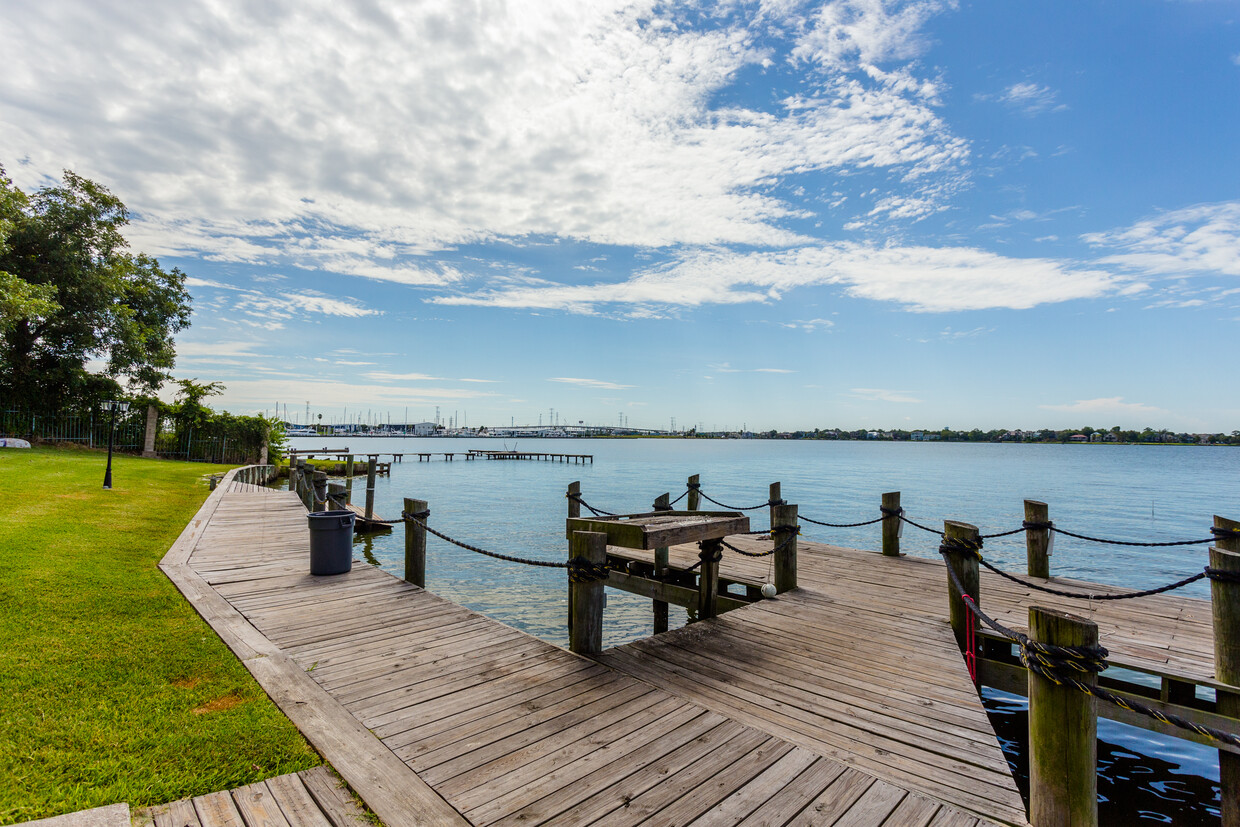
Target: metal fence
{"points": [[91, 429], [86, 428]]}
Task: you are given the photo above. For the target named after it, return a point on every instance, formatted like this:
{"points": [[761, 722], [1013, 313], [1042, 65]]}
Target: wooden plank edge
{"points": [[184, 544], [393, 791]]}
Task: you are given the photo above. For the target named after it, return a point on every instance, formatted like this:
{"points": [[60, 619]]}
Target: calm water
{"points": [[1145, 493]]}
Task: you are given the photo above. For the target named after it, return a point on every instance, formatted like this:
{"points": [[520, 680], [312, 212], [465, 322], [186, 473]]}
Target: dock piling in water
{"points": [[1063, 730], [891, 523], [964, 564], [1038, 538], [586, 629], [415, 541], [1225, 611]]}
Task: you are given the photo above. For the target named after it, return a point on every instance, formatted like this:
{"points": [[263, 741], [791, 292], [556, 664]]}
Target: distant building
{"points": [[423, 428], [1078, 438]]}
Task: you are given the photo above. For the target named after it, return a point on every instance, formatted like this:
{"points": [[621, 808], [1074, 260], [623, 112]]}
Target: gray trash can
{"points": [[331, 541]]}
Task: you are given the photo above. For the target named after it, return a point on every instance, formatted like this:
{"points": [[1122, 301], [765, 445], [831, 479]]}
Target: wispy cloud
{"points": [[1204, 238], [924, 279], [883, 395], [1028, 98], [591, 383], [384, 376], [1107, 406]]}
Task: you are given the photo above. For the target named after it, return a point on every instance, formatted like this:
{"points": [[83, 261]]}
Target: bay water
{"points": [[1147, 493]]}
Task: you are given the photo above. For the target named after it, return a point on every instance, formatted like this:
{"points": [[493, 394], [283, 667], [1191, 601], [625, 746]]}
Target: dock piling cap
{"points": [[658, 529]]}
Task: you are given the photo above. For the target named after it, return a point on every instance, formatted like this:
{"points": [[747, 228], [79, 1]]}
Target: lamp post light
{"points": [[115, 407]]}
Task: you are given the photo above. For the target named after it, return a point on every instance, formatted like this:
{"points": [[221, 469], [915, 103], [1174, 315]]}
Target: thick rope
{"points": [[597, 512], [840, 525], [1216, 531], [579, 569], [766, 504], [1047, 660], [791, 530]]}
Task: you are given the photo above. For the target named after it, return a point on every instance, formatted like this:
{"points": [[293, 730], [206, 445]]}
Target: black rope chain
{"points": [[791, 530], [580, 570]]}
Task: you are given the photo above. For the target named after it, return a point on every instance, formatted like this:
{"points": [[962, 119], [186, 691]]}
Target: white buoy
{"points": [[768, 589]]}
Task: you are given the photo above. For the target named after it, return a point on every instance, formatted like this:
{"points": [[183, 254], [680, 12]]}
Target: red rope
{"points": [[970, 641]]}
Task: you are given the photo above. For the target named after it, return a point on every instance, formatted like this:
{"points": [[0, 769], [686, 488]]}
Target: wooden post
{"points": [[320, 491], [661, 565], [774, 497], [891, 524], [585, 635], [574, 500], [966, 568], [695, 496], [785, 558], [1225, 609], [1063, 731], [1038, 540], [292, 471], [415, 543], [371, 467], [348, 478], [708, 580], [335, 496]]}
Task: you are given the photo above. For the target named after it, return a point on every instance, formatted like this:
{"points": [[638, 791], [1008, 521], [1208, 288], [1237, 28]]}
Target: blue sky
{"points": [[778, 214]]}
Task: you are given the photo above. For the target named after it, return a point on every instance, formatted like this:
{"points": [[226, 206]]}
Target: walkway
{"points": [[436, 714]]}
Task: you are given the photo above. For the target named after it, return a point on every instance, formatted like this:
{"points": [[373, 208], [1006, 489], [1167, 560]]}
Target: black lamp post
{"points": [[114, 407]]}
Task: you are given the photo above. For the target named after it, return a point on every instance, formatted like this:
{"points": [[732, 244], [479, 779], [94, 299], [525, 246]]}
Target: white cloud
{"points": [[922, 278], [591, 383], [1029, 98], [883, 395], [384, 376], [287, 305], [329, 136], [1107, 406], [1202, 239], [808, 325]]}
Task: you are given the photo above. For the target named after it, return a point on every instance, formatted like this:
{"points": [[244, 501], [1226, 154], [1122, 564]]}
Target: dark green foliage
{"points": [[75, 293]]}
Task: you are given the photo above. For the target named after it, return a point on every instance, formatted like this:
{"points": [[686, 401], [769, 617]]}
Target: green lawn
{"points": [[111, 687]]}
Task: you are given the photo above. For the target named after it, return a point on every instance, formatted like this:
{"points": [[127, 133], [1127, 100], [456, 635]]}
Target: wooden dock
{"points": [[784, 712], [537, 456]]}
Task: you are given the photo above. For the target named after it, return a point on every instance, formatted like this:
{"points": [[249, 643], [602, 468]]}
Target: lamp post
{"points": [[115, 407]]}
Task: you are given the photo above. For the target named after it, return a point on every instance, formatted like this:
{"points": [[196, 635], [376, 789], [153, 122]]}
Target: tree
{"points": [[73, 294]]}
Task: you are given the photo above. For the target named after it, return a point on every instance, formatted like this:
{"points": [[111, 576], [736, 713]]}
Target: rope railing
{"points": [[1213, 574], [1055, 663], [791, 530], [579, 569]]}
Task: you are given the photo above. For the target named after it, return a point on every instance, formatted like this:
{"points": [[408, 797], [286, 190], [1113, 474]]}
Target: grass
{"points": [[111, 687]]}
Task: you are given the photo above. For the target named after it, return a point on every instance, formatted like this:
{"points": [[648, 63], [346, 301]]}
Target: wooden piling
{"points": [[574, 500], [415, 542], [1063, 731], [335, 497], [891, 524], [786, 557], [1038, 540], [371, 466], [661, 565], [774, 497], [348, 478], [965, 565], [695, 495], [1225, 610], [586, 629], [708, 580]]}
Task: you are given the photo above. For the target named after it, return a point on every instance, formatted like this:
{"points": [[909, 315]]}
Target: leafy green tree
{"points": [[73, 294]]}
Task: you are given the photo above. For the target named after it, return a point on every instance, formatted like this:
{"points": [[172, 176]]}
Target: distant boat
{"points": [[300, 432]]}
